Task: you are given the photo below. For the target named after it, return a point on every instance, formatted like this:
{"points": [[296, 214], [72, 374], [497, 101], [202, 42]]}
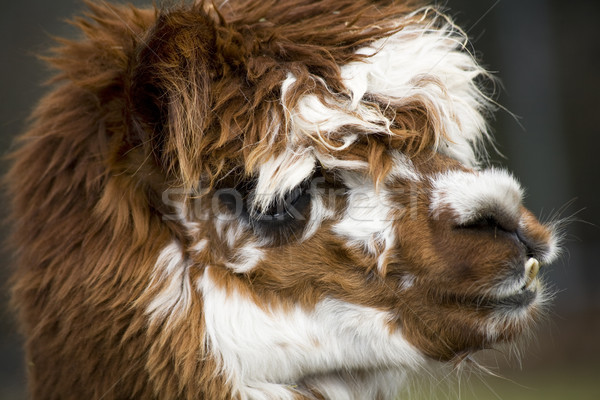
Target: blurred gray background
{"points": [[547, 56]]}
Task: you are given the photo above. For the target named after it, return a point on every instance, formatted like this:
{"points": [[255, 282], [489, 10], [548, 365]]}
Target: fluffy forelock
{"points": [[300, 83]]}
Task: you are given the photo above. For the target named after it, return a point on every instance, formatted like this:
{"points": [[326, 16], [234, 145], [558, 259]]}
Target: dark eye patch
{"points": [[285, 218], [287, 208], [282, 221]]}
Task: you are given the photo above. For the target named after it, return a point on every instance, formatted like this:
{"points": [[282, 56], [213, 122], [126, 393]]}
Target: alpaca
{"points": [[261, 199]]}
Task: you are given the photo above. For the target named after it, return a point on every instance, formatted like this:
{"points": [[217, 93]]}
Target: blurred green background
{"points": [[547, 56]]}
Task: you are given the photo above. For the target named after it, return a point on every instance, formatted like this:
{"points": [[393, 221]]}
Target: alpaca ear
{"points": [[170, 86]]}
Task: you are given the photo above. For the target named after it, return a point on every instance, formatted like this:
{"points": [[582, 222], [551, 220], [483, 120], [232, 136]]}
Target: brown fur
{"points": [[150, 100]]}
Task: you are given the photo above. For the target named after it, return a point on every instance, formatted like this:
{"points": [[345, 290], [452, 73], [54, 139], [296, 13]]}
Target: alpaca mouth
{"points": [[514, 293], [518, 299], [522, 293], [527, 290], [523, 298]]}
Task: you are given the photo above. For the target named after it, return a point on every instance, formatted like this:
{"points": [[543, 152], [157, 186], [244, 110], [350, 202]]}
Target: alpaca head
{"points": [[302, 184]]}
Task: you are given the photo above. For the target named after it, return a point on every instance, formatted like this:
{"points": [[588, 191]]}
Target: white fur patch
{"points": [[171, 273], [423, 64], [474, 195], [279, 175], [199, 246], [319, 212], [246, 258], [368, 219], [379, 384], [427, 65], [407, 281], [266, 352], [330, 162], [403, 168]]}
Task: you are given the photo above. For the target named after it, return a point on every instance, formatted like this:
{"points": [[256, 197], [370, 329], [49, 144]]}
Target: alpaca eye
{"points": [[286, 208], [285, 217]]}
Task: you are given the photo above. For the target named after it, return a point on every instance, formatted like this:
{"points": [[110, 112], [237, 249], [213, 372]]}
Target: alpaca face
{"points": [[337, 244], [439, 260], [275, 199]]}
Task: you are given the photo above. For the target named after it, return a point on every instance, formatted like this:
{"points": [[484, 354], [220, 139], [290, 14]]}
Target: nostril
{"points": [[531, 252], [487, 222]]}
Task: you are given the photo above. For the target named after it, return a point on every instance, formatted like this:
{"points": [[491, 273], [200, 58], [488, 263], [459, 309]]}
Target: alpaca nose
{"points": [[529, 245], [532, 265], [540, 240], [495, 222]]}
